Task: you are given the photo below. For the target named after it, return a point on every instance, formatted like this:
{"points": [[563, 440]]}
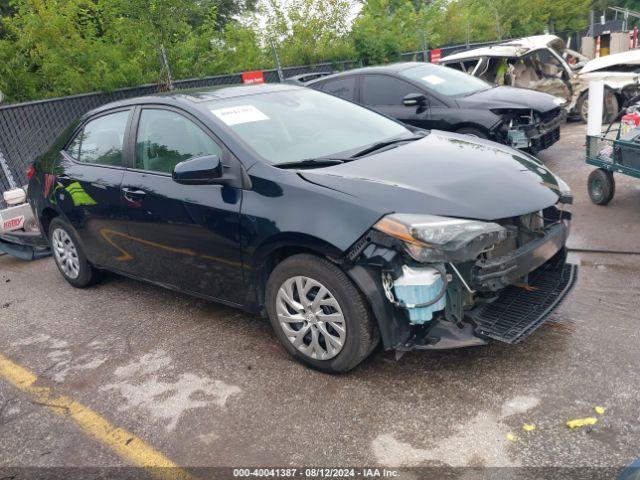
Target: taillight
{"points": [[31, 171]]}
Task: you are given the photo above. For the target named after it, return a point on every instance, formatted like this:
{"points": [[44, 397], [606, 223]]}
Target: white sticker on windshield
{"points": [[433, 79], [240, 114]]}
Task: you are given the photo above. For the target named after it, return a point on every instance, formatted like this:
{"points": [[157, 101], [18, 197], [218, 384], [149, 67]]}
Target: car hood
{"points": [[445, 174], [509, 97]]}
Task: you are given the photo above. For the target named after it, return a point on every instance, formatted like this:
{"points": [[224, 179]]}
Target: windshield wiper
{"points": [[312, 162], [378, 146]]}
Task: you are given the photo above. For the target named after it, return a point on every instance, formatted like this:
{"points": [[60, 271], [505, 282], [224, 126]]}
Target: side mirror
{"points": [[198, 171], [415, 100]]}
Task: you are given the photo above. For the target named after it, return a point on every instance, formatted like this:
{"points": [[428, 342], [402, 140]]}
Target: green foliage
{"points": [[56, 47], [309, 31], [59, 47]]}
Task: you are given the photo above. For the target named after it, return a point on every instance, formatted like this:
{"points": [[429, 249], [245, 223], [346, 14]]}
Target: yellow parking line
{"points": [[123, 443]]}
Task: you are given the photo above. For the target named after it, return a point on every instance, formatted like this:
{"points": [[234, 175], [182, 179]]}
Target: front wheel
{"points": [[601, 186], [319, 315]]}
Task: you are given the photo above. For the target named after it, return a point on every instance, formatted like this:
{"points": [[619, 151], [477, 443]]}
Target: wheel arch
{"points": [[268, 255], [393, 329], [46, 217]]}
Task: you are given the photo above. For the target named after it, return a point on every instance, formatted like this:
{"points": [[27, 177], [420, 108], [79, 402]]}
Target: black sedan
{"points": [[341, 225], [432, 96]]}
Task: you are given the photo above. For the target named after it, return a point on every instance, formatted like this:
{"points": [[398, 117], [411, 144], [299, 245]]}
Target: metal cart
{"points": [[612, 152]]}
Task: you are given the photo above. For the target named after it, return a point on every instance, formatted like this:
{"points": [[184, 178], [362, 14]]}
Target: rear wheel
{"points": [[318, 314], [601, 186], [69, 257]]}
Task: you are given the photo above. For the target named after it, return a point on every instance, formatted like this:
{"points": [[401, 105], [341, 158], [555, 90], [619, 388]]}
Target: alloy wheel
{"points": [[65, 253], [311, 318]]}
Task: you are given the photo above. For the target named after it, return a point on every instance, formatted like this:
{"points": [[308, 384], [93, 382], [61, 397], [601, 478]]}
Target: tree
{"points": [[386, 28], [309, 31]]}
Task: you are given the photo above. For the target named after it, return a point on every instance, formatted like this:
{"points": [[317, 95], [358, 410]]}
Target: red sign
{"points": [[13, 223], [436, 55], [253, 77]]}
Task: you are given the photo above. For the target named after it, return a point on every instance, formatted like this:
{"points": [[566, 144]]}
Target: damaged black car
{"points": [[432, 96], [341, 225]]}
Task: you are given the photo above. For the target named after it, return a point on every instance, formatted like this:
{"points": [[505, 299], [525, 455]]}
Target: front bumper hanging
{"points": [[537, 136], [520, 309]]}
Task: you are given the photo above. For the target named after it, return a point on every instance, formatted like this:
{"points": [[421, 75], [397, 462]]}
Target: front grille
{"points": [[546, 140], [549, 115], [519, 311]]}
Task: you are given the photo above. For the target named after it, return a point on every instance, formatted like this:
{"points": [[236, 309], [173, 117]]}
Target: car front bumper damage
{"points": [[536, 136], [512, 294]]}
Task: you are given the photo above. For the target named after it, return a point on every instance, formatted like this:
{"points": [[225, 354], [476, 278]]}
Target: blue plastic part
{"points": [[421, 293]]}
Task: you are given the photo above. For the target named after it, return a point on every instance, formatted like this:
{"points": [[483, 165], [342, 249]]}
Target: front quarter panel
{"points": [[469, 115], [282, 210]]}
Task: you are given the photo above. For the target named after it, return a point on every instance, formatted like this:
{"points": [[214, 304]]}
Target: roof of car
{"points": [[512, 48], [392, 67], [198, 95], [630, 57]]}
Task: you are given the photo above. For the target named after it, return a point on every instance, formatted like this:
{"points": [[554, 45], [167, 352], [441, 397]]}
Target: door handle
{"points": [[134, 191], [133, 194]]}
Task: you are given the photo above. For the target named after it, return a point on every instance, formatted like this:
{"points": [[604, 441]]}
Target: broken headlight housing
{"points": [[559, 101], [430, 238]]}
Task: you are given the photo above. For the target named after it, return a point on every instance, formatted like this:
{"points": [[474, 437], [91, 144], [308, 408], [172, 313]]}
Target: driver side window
{"points": [[384, 90], [166, 138]]}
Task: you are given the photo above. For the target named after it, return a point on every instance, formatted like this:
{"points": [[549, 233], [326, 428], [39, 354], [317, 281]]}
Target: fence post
{"points": [[425, 51], [277, 59], [166, 68]]}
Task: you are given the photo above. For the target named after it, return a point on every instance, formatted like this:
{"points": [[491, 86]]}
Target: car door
{"points": [[184, 236], [385, 94], [87, 183]]}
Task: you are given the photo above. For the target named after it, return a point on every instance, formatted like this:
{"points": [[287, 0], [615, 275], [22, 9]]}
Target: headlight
{"points": [[429, 238], [559, 101]]}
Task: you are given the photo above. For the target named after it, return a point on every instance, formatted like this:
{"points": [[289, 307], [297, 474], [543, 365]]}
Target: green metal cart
{"points": [[612, 152]]}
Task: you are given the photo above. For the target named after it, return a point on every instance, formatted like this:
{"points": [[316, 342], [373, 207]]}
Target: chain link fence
{"points": [[27, 130]]}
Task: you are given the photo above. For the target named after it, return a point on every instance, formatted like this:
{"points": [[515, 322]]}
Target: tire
{"points": [[609, 110], [611, 106], [473, 132], [334, 351], [69, 256], [582, 107], [601, 186]]}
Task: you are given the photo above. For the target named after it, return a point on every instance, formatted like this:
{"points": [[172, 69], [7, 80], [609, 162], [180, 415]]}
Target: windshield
{"points": [[445, 81], [301, 124]]}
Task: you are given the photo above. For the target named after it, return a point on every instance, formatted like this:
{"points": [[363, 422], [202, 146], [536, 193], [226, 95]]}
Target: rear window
{"points": [[100, 140], [341, 87]]}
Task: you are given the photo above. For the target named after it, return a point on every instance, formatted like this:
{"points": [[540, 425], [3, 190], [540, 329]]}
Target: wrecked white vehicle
{"points": [[537, 63], [619, 72]]}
